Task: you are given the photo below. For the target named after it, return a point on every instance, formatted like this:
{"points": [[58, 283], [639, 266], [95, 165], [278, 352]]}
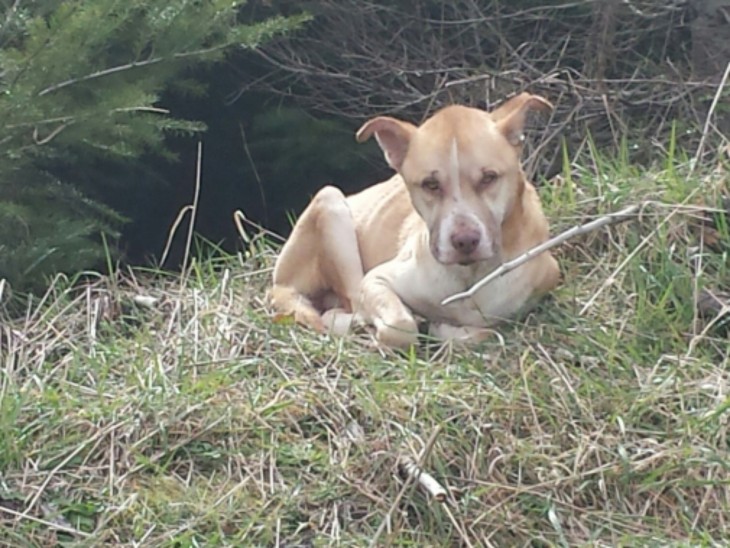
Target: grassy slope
{"points": [[198, 421]]}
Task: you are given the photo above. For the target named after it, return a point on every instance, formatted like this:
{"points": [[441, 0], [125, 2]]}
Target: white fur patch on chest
{"points": [[423, 289], [505, 296]]}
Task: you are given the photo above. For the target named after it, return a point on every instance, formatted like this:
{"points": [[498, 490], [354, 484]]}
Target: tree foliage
{"points": [[80, 88]]}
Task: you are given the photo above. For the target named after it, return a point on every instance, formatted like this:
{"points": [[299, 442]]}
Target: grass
{"points": [[155, 409]]}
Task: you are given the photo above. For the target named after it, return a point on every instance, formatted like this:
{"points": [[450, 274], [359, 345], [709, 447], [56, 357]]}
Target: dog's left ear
{"points": [[392, 135], [511, 116]]}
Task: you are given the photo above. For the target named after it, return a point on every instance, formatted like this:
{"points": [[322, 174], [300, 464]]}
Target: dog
{"points": [[458, 206]]}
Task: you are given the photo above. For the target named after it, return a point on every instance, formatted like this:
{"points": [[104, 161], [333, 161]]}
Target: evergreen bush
{"points": [[80, 88]]}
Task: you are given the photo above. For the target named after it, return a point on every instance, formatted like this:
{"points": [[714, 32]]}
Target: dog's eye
{"points": [[431, 184], [488, 179]]}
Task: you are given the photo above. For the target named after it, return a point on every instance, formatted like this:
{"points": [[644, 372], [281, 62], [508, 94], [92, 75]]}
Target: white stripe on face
{"points": [[444, 247], [458, 214], [454, 170]]}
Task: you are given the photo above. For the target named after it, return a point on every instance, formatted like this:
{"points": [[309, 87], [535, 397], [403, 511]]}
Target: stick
{"points": [[388, 516], [45, 523], [611, 218], [708, 120], [610, 280], [424, 479], [194, 209], [173, 231], [239, 218]]}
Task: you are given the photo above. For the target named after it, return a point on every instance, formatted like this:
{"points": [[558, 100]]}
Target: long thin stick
{"points": [[708, 120], [641, 246], [173, 231], [239, 218], [612, 218], [194, 210]]}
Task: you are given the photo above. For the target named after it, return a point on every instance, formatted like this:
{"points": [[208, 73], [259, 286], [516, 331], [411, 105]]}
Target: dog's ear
{"points": [[392, 135], [510, 117]]}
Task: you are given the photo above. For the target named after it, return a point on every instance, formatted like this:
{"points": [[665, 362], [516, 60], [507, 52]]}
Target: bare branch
{"points": [[599, 63], [710, 112], [612, 218]]}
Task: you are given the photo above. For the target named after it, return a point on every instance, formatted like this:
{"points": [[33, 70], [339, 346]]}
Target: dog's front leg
{"points": [[381, 306]]}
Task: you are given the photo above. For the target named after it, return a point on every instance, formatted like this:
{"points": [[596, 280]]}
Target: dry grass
{"points": [[599, 419]]}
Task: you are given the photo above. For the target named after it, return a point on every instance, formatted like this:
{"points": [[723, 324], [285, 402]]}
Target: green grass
{"points": [[599, 419]]}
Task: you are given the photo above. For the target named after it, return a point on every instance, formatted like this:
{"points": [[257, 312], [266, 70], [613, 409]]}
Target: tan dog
{"points": [[457, 208]]}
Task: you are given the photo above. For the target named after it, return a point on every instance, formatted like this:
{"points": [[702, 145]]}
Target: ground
{"points": [[162, 409]]}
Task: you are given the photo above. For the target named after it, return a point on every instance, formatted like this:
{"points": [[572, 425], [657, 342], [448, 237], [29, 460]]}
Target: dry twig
{"points": [[386, 520], [708, 119], [612, 218], [424, 479]]}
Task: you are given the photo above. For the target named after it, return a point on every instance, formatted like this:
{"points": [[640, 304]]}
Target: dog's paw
{"points": [[339, 322], [401, 333], [462, 334]]}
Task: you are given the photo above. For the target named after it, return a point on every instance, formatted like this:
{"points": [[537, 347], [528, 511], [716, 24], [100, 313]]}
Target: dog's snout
{"points": [[466, 241]]}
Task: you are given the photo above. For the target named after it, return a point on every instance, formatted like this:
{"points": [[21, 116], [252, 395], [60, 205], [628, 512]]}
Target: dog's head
{"points": [[462, 169]]}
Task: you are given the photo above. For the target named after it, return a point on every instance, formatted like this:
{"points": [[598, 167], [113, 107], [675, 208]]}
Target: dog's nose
{"points": [[465, 241]]}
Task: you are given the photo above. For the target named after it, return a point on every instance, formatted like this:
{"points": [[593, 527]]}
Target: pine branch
{"points": [[128, 66], [611, 218]]}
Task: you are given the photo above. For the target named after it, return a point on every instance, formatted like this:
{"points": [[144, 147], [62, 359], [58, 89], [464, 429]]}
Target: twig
{"points": [[255, 173], [530, 254], [612, 278], [46, 523], [145, 300], [194, 211], [386, 521], [49, 476], [706, 128], [424, 479], [42, 141], [459, 527], [239, 218], [173, 231], [696, 339]]}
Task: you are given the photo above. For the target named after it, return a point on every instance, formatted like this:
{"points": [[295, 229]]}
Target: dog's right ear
{"points": [[510, 117], [392, 135]]}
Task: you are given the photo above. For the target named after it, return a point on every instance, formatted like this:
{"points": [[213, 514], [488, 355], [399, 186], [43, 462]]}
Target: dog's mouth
{"points": [[494, 259], [466, 260], [451, 257]]}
